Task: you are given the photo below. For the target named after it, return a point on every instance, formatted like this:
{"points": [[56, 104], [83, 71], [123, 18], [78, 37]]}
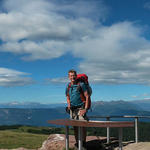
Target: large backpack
{"points": [[82, 78]]}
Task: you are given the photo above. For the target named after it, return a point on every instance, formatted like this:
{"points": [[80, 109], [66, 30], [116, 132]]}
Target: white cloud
{"points": [[35, 51], [145, 96], [57, 80], [9, 77], [117, 55], [134, 96], [41, 29], [147, 5], [95, 10]]}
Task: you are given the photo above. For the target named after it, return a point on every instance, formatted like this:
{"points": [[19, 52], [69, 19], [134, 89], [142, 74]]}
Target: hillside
{"points": [[39, 116], [117, 108], [143, 104], [35, 117]]}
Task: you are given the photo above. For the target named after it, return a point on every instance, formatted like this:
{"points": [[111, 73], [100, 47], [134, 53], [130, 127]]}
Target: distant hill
{"points": [[118, 108], [30, 105], [38, 114], [34, 117], [143, 104]]}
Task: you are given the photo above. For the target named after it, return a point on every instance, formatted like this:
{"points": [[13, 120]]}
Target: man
{"points": [[76, 106]]}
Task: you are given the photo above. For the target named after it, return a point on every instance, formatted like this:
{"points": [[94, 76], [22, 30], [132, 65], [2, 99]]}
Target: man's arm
{"points": [[68, 102], [87, 97]]}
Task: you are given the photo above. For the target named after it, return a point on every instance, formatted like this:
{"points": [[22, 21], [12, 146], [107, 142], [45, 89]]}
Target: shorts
{"points": [[74, 114]]}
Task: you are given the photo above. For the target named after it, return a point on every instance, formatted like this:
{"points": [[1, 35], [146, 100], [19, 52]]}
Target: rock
{"points": [[57, 142], [53, 142]]}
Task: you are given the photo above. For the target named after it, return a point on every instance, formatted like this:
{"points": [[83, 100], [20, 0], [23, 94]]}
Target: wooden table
{"points": [[91, 123]]}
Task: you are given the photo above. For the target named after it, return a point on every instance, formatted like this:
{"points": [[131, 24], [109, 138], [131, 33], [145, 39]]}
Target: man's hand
{"points": [[82, 112]]}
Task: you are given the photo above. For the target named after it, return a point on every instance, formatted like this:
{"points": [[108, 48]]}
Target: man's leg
{"points": [[76, 133], [76, 116], [84, 131]]}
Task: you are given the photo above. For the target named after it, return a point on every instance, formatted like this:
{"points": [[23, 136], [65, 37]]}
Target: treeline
{"points": [[128, 133]]}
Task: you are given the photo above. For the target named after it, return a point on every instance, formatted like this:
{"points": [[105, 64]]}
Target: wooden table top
{"points": [[92, 123]]}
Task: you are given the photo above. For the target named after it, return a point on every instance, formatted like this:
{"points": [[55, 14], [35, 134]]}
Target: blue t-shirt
{"points": [[74, 94]]}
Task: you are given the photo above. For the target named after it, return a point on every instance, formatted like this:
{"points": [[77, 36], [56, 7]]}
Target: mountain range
{"points": [[30, 105], [37, 114]]}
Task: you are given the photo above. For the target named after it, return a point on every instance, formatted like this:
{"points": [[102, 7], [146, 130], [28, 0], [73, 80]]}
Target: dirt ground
{"points": [[138, 146]]}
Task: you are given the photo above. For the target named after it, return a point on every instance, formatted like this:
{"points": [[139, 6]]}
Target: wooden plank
{"points": [[69, 122]]}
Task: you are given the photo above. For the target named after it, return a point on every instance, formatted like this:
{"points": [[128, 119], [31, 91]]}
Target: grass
{"points": [[30, 137], [13, 139]]}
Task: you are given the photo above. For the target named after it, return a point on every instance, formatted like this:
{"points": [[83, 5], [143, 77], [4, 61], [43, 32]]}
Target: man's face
{"points": [[72, 77]]}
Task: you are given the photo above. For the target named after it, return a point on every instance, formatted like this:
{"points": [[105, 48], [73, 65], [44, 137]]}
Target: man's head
{"points": [[72, 74]]}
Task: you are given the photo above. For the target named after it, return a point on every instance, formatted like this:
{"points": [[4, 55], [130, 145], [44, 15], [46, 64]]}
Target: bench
{"points": [[91, 123]]}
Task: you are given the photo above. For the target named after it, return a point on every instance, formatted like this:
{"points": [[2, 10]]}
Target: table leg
{"points": [[108, 131], [80, 137], [67, 137], [120, 138], [136, 130]]}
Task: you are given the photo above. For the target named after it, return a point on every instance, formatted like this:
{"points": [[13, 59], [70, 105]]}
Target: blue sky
{"points": [[40, 40]]}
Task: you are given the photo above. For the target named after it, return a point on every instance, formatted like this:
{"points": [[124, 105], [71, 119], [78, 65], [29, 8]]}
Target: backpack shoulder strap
{"points": [[79, 88]]}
